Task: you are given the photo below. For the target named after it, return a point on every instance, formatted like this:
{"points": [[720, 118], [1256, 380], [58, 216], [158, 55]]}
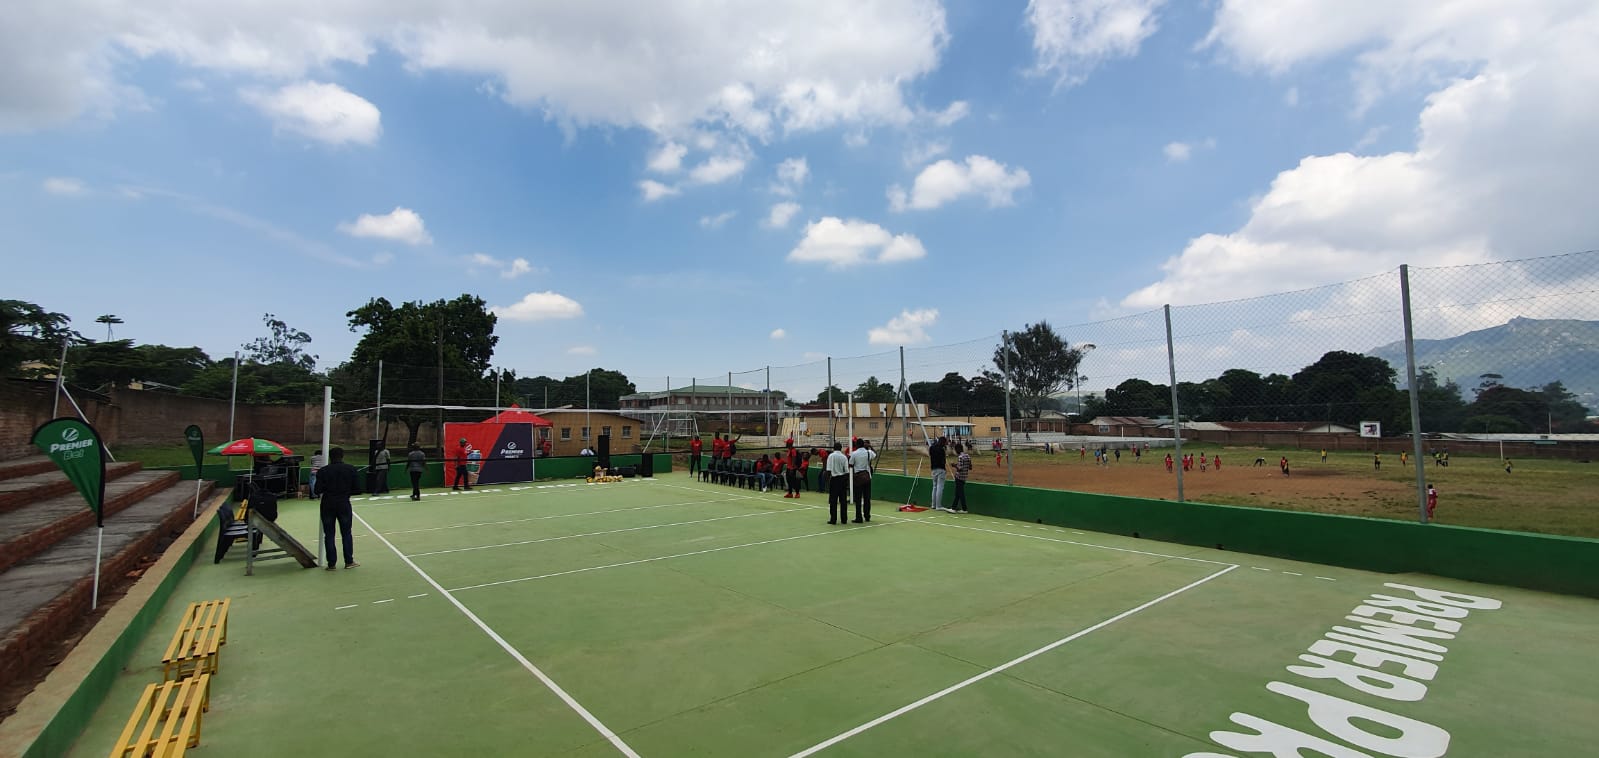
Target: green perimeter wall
{"points": [[1551, 563], [57, 737], [545, 468]]}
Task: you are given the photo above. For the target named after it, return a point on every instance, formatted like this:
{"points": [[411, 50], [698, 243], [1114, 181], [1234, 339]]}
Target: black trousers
{"points": [[793, 481], [863, 497], [461, 477], [821, 481], [416, 485], [380, 482], [960, 495], [343, 517], [837, 500], [694, 464]]}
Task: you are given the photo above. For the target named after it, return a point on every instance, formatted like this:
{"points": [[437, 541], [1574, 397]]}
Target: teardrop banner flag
{"points": [[196, 440], [75, 447]]}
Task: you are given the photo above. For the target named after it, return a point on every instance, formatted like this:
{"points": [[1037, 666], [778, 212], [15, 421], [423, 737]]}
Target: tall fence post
{"points": [[904, 418], [1415, 394], [377, 423], [1010, 454], [1176, 413], [730, 405], [832, 415], [61, 378], [233, 397]]}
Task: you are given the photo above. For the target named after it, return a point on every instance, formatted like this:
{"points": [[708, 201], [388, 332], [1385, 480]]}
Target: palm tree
{"points": [[108, 320]]}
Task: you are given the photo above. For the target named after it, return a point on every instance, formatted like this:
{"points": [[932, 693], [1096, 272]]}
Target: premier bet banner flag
{"points": [[196, 440], [75, 447]]}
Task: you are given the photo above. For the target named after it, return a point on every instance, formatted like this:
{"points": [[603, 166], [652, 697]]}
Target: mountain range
{"points": [[1528, 353]]}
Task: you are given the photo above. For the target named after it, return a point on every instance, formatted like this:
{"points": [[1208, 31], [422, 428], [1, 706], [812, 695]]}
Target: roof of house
{"points": [[701, 389], [1280, 426], [1123, 421]]}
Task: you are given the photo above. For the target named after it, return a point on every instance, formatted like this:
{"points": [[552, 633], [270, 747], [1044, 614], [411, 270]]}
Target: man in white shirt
{"points": [[837, 500], [586, 451], [860, 462]]}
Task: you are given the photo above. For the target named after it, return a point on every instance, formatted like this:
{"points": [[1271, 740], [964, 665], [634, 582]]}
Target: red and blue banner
{"points": [[507, 450]]}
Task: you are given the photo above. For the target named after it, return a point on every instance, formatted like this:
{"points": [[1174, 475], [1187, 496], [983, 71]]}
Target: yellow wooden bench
{"points": [[170, 715], [196, 647]]}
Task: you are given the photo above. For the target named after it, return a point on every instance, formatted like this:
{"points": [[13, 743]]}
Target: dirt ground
{"points": [[1237, 480]]}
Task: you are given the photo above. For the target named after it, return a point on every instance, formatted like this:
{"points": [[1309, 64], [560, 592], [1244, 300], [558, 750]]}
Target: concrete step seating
{"points": [[20, 489], [47, 549]]}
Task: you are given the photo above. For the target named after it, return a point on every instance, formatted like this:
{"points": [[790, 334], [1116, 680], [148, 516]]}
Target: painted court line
{"points": [[659, 558], [413, 597], [571, 702], [823, 745], [564, 515], [345, 607], [380, 602], [595, 534], [1066, 542]]}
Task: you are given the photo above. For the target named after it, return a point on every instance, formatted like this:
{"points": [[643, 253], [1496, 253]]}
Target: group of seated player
{"points": [[788, 468]]}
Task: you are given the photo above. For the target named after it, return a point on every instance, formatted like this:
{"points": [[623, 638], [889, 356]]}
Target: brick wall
{"points": [[25, 404]]}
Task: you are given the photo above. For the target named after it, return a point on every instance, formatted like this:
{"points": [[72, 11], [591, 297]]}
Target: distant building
{"points": [[706, 398]]}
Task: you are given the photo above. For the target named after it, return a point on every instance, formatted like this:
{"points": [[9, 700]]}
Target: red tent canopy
{"points": [[516, 414]]}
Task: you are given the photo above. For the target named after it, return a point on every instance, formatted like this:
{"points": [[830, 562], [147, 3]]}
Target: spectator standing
{"points": [[936, 454], [334, 485], [380, 470], [861, 461], [694, 447], [1432, 500], [963, 469], [416, 462], [462, 476], [836, 469], [317, 462]]}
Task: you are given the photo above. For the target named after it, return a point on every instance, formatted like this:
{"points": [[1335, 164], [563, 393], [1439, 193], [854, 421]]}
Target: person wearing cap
{"points": [[462, 475]]}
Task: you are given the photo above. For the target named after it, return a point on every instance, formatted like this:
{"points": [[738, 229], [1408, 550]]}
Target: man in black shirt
{"points": [[939, 465], [335, 483]]}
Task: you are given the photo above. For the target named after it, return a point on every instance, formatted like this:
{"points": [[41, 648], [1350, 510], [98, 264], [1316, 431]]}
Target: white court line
{"points": [[565, 515], [506, 646], [596, 534], [1326, 578], [1257, 568], [345, 607], [823, 745], [1293, 573], [661, 558], [413, 597], [380, 602]]}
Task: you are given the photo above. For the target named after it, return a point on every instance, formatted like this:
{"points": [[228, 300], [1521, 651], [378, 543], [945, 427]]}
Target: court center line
{"points": [[896, 713], [571, 702], [595, 534], [565, 515], [662, 558]]}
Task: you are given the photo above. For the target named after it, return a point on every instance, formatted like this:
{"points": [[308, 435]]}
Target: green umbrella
{"points": [[251, 446]]}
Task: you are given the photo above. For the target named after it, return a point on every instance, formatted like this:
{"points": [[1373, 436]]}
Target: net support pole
{"points": [[1176, 415], [1010, 457], [1415, 395], [61, 378], [849, 428], [768, 403], [729, 405], [327, 450], [233, 398], [377, 423], [669, 411]]}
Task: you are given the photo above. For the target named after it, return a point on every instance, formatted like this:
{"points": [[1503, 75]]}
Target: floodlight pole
{"points": [[1415, 396], [1176, 415], [1010, 456], [377, 423], [233, 399]]}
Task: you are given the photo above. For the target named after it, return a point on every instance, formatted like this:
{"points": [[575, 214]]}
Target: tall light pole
{"points": [[1082, 352]]}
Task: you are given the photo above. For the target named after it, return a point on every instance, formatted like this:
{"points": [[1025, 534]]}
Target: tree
{"points": [[987, 395], [1565, 414], [1442, 408], [283, 345], [451, 336], [173, 366], [838, 395], [874, 391], [1506, 407], [1342, 387], [1042, 364], [108, 320], [101, 364], [604, 388], [1243, 396], [29, 333], [1134, 397]]}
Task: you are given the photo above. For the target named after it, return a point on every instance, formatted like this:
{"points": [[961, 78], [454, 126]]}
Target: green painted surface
{"points": [[1537, 561], [706, 620]]}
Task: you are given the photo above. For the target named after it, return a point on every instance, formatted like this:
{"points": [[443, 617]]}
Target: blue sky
{"points": [[611, 175]]}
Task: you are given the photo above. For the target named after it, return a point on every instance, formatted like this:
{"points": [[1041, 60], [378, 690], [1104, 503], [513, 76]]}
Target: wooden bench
{"points": [[166, 720], [196, 648]]}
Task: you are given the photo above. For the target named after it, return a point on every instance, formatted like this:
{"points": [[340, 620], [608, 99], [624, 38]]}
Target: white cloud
{"points": [[1178, 152], [918, 153], [908, 328], [1370, 137], [668, 158], [581, 350], [791, 176], [946, 181], [955, 112], [539, 306], [506, 269], [400, 225], [1291, 97], [717, 169], [716, 222], [62, 185], [789, 64], [1500, 168], [653, 190], [382, 258], [326, 113], [841, 244], [1073, 37], [778, 334], [780, 214]]}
